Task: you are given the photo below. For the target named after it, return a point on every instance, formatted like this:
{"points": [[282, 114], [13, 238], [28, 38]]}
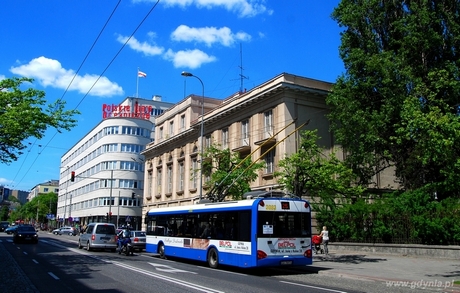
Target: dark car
{"points": [[4, 225], [10, 230], [25, 234]]}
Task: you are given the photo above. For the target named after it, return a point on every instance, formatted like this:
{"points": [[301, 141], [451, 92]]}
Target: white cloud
{"points": [[244, 8], [146, 48], [208, 35], [189, 58], [49, 72]]}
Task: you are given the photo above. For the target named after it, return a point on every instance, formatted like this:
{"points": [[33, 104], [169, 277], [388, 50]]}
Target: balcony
{"points": [[265, 136], [244, 145]]}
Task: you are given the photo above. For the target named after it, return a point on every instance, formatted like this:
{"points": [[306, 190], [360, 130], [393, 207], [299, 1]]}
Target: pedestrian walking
{"points": [[325, 236]]}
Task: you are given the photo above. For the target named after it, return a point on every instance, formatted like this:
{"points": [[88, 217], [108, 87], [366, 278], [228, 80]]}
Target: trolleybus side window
{"points": [[223, 226]]}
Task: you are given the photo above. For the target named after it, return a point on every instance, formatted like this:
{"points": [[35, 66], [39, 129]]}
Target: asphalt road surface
{"points": [[55, 264]]}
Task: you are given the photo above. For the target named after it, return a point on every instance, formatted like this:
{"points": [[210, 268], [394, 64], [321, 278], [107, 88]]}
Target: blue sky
{"points": [[55, 41]]}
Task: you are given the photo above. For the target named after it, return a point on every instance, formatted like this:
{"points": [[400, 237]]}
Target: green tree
{"points": [[39, 206], [311, 171], [229, 174], [397, 104], [23, 114], [324, 178], [4, 212]]}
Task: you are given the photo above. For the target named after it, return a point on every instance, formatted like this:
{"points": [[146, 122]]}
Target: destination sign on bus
{"points": [[285, 205]]}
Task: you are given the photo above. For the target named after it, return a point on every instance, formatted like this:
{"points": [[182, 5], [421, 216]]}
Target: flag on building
{"points": [[141, 74]]}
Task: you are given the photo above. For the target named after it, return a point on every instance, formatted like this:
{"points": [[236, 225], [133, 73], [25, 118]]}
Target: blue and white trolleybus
{"points": [[257, 232]]}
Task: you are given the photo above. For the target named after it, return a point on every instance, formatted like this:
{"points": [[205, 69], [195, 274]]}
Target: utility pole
{"points": [[38, 204]]}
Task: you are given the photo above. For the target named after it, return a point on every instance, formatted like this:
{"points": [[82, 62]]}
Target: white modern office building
{"points": [[102, 175]]}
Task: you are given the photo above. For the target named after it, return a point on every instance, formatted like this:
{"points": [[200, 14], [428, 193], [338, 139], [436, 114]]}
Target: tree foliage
{"points": [[23, 114], [311, 171], [229, 174], [408, 217], [40, 206], [397, 104]]}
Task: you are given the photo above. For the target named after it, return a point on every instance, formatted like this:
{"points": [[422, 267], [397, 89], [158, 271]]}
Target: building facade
{"points": [[45, 187], [102, 175], [264, 122]]}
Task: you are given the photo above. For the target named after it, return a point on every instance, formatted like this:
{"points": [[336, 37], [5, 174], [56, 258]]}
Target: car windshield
{"points": [[26, 229], [139, 234]]}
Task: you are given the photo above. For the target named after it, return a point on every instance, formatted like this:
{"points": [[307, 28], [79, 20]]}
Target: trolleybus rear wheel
{"points": [[213, 259]]}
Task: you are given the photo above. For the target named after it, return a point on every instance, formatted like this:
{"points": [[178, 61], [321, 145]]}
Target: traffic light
{"points": [[133, 195], [72, 176]]}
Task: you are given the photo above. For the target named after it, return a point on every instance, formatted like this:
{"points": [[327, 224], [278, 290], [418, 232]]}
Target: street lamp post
{"points": [[188, 74]]}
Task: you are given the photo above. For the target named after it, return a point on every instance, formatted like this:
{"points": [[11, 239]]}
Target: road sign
{"points": [[128, 219]]}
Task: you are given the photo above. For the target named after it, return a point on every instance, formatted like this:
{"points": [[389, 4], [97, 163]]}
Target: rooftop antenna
{"points": [[242, 77]]}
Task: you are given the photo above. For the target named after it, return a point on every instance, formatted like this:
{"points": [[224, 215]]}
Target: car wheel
{"points": [[88, 247], [70, 234], [79, 244], [161, 251], [213, 259]]}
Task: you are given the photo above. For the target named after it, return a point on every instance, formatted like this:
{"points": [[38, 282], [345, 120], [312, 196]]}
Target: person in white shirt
{"points": [[325, 235]]}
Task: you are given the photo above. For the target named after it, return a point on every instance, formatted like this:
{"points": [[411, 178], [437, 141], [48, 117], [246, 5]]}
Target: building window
{"points": [[182, 122], [133, 166], [268, 124], [171, 128], [160, 134], [269, 161], [149, 184], [111, 165], [169, 179], [245, 132], [181, 175], [159, 180], [207, 141], [194, 172], [225, 138], [109, 148]]}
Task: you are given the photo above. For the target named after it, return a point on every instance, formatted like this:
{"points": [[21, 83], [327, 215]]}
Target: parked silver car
{"points": [[65, 230], [98, 236], [138, 240]]}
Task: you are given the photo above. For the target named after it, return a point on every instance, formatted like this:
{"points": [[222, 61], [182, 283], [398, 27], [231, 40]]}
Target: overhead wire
{"points": [[100, 75], [66, 90]]}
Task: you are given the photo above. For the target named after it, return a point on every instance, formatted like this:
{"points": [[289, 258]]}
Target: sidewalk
{"points": [[416, 271], [13, 278]]}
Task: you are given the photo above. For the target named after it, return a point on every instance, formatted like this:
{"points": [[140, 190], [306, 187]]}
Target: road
{"points": [[57, 265]]}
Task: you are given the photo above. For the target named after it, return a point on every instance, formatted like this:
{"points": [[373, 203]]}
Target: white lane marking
{"points": [[25, 252], [166, 278], [314, 287], [35, 261], [169, 269], [53, 275]]}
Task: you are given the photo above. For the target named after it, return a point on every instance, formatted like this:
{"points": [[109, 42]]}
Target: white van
{"points": [[98, 236]]}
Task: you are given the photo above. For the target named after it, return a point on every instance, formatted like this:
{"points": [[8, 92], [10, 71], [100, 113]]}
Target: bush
{"points": [[408, 217]]}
